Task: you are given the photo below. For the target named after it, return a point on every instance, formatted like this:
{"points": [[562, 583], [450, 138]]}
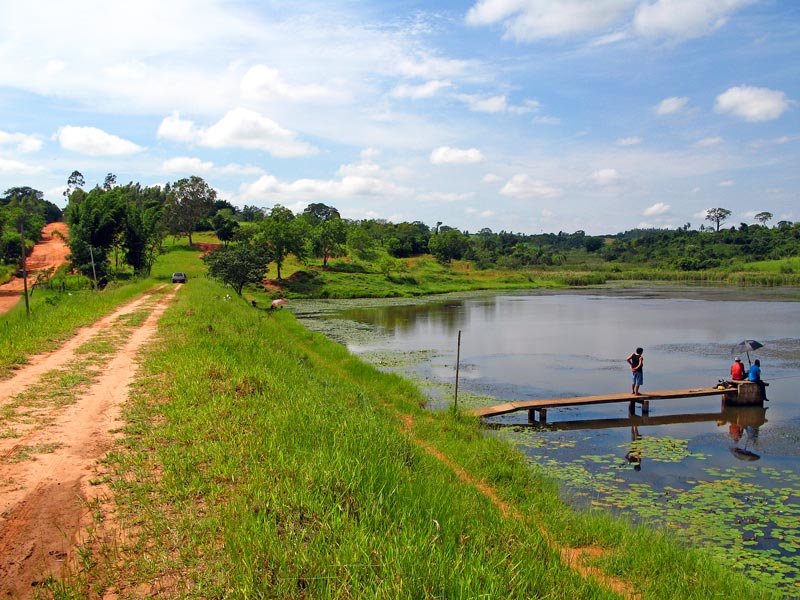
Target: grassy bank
{"points": [[262, 460], [424, 276]]}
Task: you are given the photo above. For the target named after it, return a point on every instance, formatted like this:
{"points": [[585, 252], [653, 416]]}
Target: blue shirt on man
{"points": [[754, 374]]}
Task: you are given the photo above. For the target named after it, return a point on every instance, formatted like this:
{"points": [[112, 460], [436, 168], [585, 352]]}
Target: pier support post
{"points": [[531, 415], [542, 415], [645, 407], [632, 407]]}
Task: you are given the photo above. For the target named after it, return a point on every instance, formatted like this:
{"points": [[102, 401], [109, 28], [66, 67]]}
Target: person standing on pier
{"points": [[636, 361]]}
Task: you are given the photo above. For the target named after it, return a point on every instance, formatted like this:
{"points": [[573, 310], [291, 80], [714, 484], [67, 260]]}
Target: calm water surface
{"points": [[727, 477]]}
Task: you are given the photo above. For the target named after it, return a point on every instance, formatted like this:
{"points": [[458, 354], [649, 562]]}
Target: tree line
{"points": [[115, 227]]}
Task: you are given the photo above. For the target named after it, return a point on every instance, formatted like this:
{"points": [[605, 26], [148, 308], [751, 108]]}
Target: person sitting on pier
{"points": [[737, 370], [636, 361], [755, 371]]}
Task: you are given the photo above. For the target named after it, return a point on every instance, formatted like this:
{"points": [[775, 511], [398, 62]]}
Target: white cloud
{"points": [[446, 197], [671, 105], [423, 90], [432, 67], [683, 19], [491, 178], [606, 177], [15, 167], [528, 20], [268, 187], [495, 104], [457, 156], [522, 186], [701, 214], [659, 208], [261, 82], [22, 142], [727, 183], [544, 120], [611, 38], [629, 141], [752, 104], [499, 104], [486, 213], [234, 169], [94, 142], [547, 214], [709, 141], [695, 190], [185, 164], [54, 67], [239, 128], [178, 130]]}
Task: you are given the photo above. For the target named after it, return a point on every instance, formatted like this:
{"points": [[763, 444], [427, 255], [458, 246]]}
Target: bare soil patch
{"points": [[52, 441], [50, 252]]}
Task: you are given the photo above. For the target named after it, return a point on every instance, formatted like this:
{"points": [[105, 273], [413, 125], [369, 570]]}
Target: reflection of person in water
{"points": [[735, 431], [634, 455]]}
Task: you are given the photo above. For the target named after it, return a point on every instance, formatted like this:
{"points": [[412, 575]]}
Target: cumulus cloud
{"points": [[15, 167], [21, 142], [94, 142], [269, 187], [545, 120], [727, 183], [684, 18], [629, 141], [606, 177], [455, 156], [671, 105], [238, 128], [261, 82], [752, 104], [540, 19], [423, 90], [432, 67], [708, 141], [491, 178], [523, 186], [659, 208], [185, 164]]}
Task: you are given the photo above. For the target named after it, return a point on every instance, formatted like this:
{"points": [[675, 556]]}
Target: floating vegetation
{"points": [[750, 526]]}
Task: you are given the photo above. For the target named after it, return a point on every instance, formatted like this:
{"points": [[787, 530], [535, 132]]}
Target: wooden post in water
{"points": [[458, 360]]}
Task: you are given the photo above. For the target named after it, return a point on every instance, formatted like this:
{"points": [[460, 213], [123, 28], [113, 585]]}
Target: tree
{"points": [[190, 201], [717, 216], [317, 211], [327, 238], [448, 244], [110, 181], [763, 217], [75, 181], [224, 226], [282, 234], [237, 265]]}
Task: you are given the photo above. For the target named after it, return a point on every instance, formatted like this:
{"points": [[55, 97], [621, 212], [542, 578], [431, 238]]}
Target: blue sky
{"points": [[517, 115]]}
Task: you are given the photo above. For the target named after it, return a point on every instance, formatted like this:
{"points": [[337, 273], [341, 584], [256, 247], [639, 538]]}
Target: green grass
{"points": [[262, 460], [55, 316], [6, 273]]}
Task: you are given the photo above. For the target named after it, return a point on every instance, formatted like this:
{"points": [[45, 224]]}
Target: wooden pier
{"points": [[541, 406]]}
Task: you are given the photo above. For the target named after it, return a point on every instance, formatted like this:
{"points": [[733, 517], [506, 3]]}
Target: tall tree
{"points": [[110, 181], [317, 211], [327, 238], [717, 216], [75, 181], [282, 234], [763, 217], [190, 201]]}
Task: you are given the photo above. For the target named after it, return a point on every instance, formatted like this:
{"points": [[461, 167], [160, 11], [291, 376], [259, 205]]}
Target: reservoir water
{"points": [[726, 478]]}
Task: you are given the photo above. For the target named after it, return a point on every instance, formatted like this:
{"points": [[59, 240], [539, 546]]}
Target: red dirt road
{"points": [[60, 412], [51, 251]]}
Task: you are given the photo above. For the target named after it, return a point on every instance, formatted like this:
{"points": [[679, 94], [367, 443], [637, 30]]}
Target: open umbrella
{"points": [[746, 346]]}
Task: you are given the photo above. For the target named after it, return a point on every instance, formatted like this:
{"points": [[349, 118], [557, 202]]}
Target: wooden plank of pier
{"points": [[643, 399]]}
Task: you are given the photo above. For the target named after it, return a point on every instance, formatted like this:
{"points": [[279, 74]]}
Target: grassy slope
{"points": [[262, 460]]}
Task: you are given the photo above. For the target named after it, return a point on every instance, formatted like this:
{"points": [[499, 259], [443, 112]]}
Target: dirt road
{"points": [[57, 416], [50, 252]]}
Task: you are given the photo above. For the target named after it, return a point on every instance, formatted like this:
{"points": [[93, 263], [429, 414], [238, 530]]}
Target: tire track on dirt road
{"points": [[45, 503]]}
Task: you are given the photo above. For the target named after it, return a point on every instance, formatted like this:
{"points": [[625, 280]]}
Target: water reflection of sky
{"points": [[522, 346]]}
